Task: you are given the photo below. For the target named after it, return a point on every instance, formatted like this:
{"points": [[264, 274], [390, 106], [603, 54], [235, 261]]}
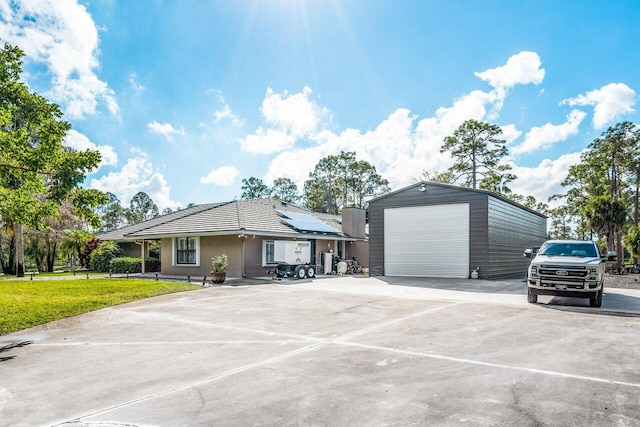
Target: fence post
{"points": [[204, 280]]}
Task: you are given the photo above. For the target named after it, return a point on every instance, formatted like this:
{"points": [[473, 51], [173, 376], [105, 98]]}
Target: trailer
{"points": [[298, 271], [294, 259]]}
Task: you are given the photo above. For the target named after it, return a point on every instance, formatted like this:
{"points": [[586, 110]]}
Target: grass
{"points": [[27, 303], [61, 273]]}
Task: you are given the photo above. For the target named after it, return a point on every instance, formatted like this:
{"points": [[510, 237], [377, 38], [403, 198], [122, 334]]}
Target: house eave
{"points": [[293, 235]]}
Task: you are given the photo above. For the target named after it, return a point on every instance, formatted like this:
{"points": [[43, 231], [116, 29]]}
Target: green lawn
{"points": [[27, 303], [79, 273]]}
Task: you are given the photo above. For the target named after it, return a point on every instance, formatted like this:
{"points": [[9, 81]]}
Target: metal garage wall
{"points": [[433, 194], [511, 231], [427, 241]]}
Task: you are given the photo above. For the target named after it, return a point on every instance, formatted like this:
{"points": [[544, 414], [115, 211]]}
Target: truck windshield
{"points": [[569, 249]]}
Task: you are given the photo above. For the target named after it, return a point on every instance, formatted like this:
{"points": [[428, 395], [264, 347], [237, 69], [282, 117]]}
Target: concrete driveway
{"points": [[340, 351]]}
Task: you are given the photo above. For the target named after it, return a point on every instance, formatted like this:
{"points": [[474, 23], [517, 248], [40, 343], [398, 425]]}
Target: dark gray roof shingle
{"points": [[256, 216]]}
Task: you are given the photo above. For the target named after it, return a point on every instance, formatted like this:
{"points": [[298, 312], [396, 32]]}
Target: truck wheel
{"points": [[531, 297], [311, 273], [301, 273], [597, 300]]}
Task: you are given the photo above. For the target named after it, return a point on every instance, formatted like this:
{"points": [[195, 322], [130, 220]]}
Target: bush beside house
{"points": [[101, 257], [122, 265]]}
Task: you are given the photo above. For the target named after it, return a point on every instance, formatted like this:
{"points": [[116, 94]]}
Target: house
{"points": [[247, 231], [439, 230]]}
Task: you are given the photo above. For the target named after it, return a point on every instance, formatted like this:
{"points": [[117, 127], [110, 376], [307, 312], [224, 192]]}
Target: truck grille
{"points": [[564, 273]]}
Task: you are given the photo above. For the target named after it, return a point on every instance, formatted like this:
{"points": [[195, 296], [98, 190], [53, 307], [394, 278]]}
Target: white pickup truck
{"points": [[571, 268]]}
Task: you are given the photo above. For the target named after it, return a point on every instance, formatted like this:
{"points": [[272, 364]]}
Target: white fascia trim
{"points": [[256, 233]]}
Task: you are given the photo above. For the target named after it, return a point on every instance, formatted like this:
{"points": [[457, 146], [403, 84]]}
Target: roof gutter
{"points": [[249, 233]]}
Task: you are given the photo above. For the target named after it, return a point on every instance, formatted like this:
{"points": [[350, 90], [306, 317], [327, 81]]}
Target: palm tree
{"points": [[73, 244]]}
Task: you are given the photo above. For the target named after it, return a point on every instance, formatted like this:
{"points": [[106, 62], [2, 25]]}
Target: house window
{"points": [[268, 252], [186, 251]]}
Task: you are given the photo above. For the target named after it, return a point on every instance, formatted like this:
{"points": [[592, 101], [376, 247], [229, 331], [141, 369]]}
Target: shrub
{"points": [[123, 265], [89, 247], [151, 264], [219, 263], [101, 257]]}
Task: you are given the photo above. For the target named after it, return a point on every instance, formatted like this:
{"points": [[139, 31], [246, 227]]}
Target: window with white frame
{"points": [[268, 252], [186, 251]]}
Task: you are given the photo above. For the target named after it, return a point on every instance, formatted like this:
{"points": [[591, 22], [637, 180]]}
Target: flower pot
{"points": [[218, 277]]}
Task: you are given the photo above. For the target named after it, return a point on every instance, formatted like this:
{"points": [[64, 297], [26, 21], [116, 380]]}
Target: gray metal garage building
{"points": [[440, 230]]}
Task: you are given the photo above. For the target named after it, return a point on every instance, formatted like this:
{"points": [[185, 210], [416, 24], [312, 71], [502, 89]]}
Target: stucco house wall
{"points": [[239, 229], [132, 249]]}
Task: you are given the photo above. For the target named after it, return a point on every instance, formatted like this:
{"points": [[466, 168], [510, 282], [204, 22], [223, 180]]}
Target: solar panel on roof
{"points": [[305, 222]]}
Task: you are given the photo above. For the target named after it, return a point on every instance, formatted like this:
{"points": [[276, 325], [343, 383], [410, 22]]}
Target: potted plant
{"points": [[219, 266]]}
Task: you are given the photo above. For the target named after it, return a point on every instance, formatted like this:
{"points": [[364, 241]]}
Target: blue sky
{"points": [[186, 98]]}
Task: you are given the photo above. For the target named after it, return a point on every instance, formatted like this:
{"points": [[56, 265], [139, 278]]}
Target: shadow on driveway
{"points": [[621, 302], [11, 346], [508, 286], [613, 303]]}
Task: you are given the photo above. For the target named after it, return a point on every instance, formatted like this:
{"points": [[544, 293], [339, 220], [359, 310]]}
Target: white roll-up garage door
{"points": [[427, 241]]}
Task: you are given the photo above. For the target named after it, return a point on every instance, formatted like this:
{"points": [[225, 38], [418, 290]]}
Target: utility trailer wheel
{"points": [[300, 272], [531, 297], [311, 273]]}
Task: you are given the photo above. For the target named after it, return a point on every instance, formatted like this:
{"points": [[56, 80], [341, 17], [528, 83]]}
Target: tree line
{"points": [[114, 215], [337, 181]]}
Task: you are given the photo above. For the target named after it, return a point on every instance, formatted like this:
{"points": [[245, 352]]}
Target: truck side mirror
{"points": [[528, 253]]}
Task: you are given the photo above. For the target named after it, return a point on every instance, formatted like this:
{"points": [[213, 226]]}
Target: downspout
{"points": [[242, 237]]}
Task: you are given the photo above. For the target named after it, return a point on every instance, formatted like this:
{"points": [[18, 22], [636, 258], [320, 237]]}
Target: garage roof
{"points": [[428, 184]]}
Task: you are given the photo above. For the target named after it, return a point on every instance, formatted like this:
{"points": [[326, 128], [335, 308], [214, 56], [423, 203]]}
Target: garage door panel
{"points": [[427, 241]]}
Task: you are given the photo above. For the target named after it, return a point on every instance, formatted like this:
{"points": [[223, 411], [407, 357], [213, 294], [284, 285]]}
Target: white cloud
{"points": [[395, 147], [510, 133], [61, 35], [267, 141], [133, 77], [165, 129], [522, 68], [543, 137], [225, 113], [544, 180], [80, 142], [294, 113], [289, 116], [401, 147], [610, 102], [221, 177], [448, 119], [137, 175]]}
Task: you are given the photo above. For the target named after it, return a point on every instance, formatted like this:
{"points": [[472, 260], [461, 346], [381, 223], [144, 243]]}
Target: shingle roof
{"points": [[120, 233], [255, 216]]}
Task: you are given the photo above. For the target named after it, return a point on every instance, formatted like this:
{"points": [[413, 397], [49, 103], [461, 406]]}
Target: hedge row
{"points": [[123, 265]]}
